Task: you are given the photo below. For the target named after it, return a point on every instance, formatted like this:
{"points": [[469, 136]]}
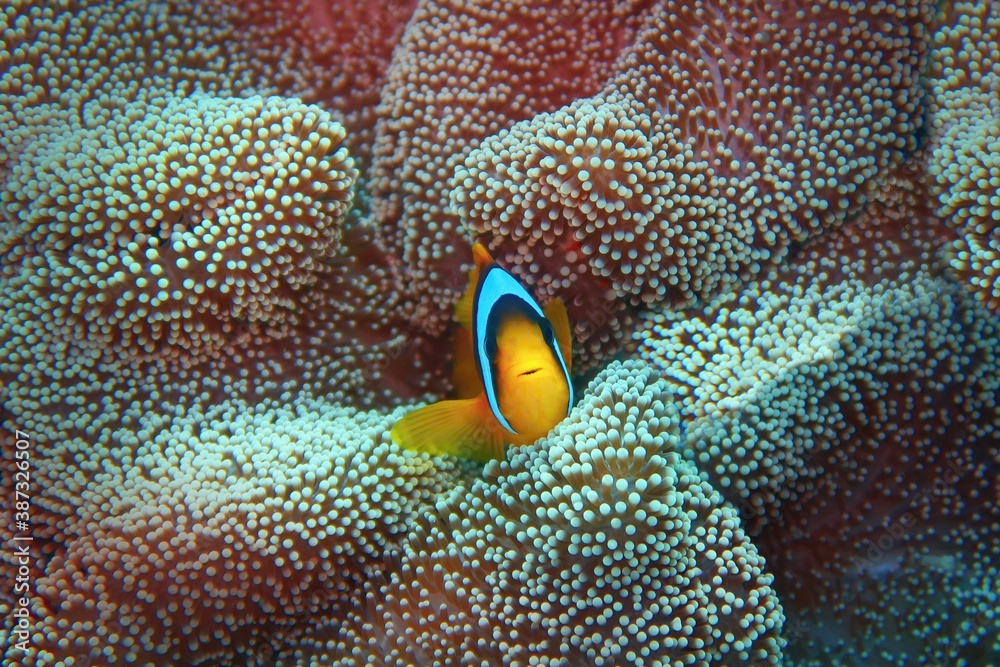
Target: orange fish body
{"points": [[511, 373], [533, 394]]}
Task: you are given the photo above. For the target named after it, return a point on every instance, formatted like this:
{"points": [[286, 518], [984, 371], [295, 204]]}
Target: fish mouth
{"points": [[529, 372]]}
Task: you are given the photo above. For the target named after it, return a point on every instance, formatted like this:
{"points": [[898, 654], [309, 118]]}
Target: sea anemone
{"points": [[597, 545], [847, 404], [726, 133], [177, 222], [964, 112], [207, 537], [229, 229]]}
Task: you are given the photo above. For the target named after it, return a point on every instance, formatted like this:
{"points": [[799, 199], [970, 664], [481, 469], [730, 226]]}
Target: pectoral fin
{"points": [[464, 428]]}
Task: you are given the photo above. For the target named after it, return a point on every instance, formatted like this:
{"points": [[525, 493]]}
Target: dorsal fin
{"points": [[463, 307], [555, 312], [481, 256]]}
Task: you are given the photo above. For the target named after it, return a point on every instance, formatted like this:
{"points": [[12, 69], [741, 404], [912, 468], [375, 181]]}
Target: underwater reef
{"points": [[232, 238]]}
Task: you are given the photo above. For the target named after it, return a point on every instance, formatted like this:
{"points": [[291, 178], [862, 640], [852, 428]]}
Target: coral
{"points": [[599, 525], [602, 175], [205, 538], [729, 130], [92, 89], [352, 59], [964, 141], [132, 141], [846, 398]]}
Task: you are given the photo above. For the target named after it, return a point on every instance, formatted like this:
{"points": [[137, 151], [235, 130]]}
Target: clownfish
{"points": [[511, 372]]}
